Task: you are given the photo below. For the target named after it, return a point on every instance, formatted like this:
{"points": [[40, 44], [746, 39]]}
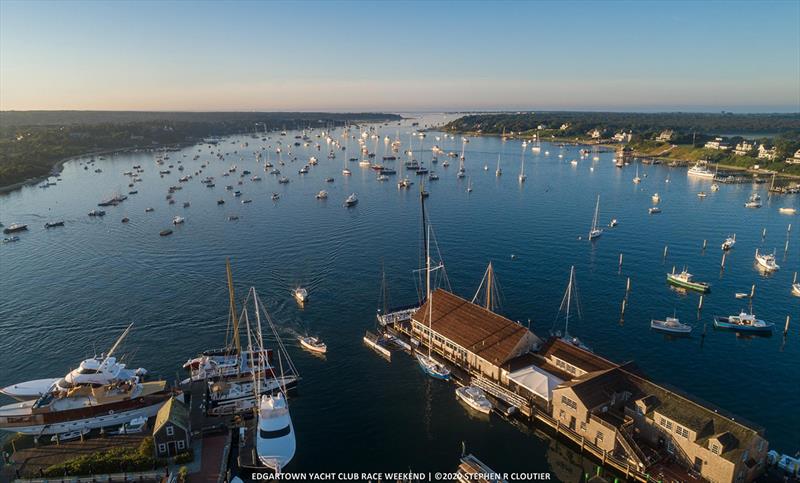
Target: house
{"points": [[718, 144], [621, 412], [564, 126], [471, 336], [767, 153], [794, 159], [744, 148], [171, 432], [665, 136], [595, 133], [623, 137]]}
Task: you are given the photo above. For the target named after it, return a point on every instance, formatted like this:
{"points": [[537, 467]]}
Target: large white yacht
{"points": [[275, 442], [700, 170]]}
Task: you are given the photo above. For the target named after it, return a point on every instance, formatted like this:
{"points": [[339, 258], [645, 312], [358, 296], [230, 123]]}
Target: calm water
{"points": [[67, 292]]}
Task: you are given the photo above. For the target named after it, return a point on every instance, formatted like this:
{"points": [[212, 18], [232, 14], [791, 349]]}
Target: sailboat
{"points": [[427, 363], [566, 302], [522, 176], [275, 440], [345, 170], [469, 185], [637, 179], [595, 231], [498, 171], [487, 289]]}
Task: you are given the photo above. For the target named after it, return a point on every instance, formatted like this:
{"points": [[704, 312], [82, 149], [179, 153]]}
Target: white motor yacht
{"points": [[275, 441], [474, 398]]}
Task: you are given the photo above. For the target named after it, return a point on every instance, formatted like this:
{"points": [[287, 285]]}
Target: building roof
{"points": [[574, 355], [172, 411], [596, 388], [536, 380], [482, 332]]}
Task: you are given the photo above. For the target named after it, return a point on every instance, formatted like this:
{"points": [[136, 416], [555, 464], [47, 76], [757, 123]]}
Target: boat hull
{"points": [[462, 396], [431, 371], [722, 323], [688, 285]]}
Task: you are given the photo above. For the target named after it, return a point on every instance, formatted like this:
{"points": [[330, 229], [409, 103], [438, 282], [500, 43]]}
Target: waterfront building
{"points": [[744, 148], [564, 126], [595, 133], [623, 137], [794, 159], [470, 336], [718, 144], [171, 431], [767, 153], [623, 413], [665, 136]]}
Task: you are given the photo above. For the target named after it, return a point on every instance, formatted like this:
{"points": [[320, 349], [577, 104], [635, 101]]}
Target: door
{"points": [[572, 423], [171, 448]]}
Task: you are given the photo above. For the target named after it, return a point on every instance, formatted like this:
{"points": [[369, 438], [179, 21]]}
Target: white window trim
{"points": [[170, 430]]}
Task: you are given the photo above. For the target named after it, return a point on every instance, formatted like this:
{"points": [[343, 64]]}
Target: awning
{"points": [[536, 380]]}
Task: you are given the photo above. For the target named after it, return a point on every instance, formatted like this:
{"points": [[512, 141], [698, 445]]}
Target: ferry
{"points": [[700, 170], [685, 280], [743, 322]]}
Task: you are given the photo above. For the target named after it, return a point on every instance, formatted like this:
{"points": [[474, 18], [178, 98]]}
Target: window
{"points": [[669, 425], [561, 414], [681, 431], [662, 421], [569, 402], [170, 430], [162, 448], [560, 363], [715, 448], [599, 436], [275, 434], [583, 426], [181, 444]]}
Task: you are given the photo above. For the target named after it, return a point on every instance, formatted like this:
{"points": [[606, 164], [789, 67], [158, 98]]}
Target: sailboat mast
{"points": [[428, 291], [234, 317], [489, 273], [569, 300]]}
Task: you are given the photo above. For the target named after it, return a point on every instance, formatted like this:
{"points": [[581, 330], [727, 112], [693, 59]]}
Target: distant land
{"points": [[767, 142], [34, 143]]}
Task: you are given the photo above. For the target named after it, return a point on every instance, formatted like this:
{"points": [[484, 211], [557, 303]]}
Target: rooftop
{"points": [[172, 411], [483, 332], [574, 355]]}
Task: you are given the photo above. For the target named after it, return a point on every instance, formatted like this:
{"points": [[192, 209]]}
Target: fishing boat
{"points": [[729, 242], [351, 200], [766, 262], [754, 201], [83, 399], [313, 344], [300, 294], [53, 224], [654, 210], [475, 398], [595, 231], [671, 326], [684, 279], [743, 322]]}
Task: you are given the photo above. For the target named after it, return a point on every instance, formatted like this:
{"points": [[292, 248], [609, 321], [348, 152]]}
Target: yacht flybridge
{"points": [[100, 393]]}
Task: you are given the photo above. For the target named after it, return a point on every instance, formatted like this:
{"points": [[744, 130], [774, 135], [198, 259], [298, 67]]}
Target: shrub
{"points": [[184, 457]]}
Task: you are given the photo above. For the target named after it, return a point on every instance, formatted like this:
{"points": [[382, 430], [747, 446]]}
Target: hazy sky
{"points": [[400, 56]]}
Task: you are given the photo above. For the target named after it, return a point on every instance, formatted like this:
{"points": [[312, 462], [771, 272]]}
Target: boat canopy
{"points": [[536, 380]]}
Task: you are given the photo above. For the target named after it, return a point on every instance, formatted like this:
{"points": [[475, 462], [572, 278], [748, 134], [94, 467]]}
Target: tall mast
{"points": [[424, 227], [489, 273], [234, 317], [569, 299], [429, 298], [596, 212]]}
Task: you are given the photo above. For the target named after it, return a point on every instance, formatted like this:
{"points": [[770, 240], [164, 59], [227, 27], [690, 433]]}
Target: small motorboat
{"points": [[654, 210], [351, 200], [166, 232], [275, 196], [729, 242], [97, 213], [177, 220], [702, 194], [134, 426], [313, 344], [244, 202], [220, 202], [743, 322], [787, 211], [233, 218], [70, 435], [475, 398], [741, 295], [300, 294], [149, 210], [655, 198], [126, 219], [613, 223], [329, 180], [53, 224], [796, 289], [11, 239], [671, 325], [322, 195], [766, 262]]}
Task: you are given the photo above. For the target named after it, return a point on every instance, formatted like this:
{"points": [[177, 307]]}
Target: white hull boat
{"points": [[474, 398], [275, 441]]}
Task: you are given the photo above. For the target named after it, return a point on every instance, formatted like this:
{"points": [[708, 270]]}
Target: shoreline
{"points": [[614, 146]]}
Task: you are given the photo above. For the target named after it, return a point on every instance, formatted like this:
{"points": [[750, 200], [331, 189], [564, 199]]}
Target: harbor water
{"points": [[67, 293]]}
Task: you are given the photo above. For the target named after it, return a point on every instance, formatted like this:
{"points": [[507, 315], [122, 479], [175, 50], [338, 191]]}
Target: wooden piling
{"points": [[620, 260], [786, 327], [705, 243], [753, 291], [722, 265], [763, 233], [628, 285], [700, 305], [623, 305], [666, 248]]}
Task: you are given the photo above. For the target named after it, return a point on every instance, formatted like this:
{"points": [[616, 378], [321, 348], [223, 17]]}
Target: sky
{"points": [[739, 56]]}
